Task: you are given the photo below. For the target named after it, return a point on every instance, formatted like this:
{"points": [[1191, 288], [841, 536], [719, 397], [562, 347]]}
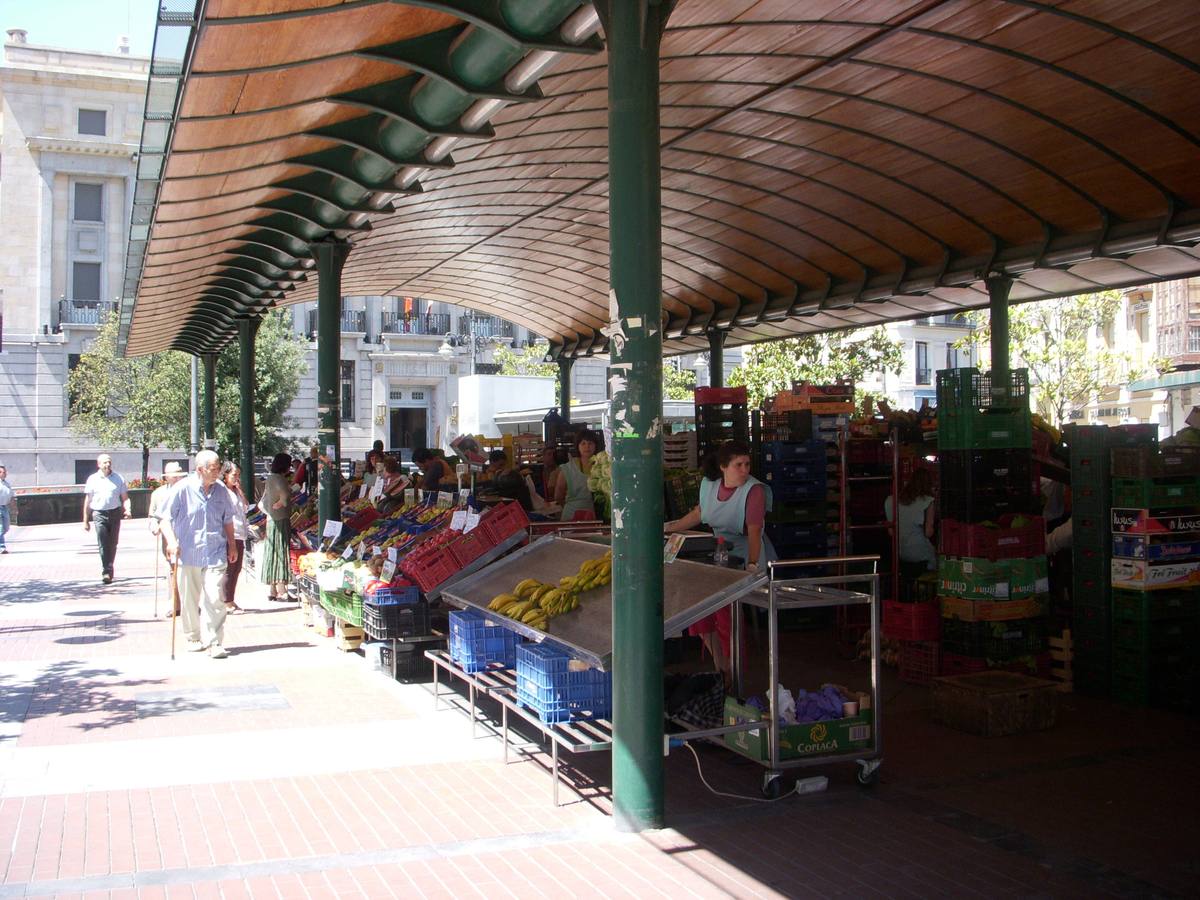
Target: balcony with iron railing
{"points": [[352, 321], [924, 376], [485, 327], [84, 312], [436, 324], [949, 320]]}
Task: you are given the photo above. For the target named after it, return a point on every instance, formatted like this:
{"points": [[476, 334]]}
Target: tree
{"points": [[678, 383], [1050, 338], [772, 366], [278, 363], [530, 361], [121, 402]]}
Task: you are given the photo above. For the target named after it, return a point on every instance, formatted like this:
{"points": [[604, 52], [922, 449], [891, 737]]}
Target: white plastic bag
{"points": [[785, 706]]}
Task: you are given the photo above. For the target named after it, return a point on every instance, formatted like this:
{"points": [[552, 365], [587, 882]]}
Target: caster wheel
{"points": [[868, 772], [772, 786]]}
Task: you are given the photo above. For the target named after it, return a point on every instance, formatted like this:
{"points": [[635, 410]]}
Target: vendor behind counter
{"points": [[507, 481], [436, 471]]}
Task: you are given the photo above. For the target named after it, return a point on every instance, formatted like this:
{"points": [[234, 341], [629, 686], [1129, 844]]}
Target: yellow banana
{"points": [[525, 588], [501, 600], [532, 615], [542, 591], [567, 584]]}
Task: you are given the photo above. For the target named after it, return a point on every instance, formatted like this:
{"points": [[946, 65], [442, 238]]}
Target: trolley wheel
{"points": [[868, 771], [772, 785]]}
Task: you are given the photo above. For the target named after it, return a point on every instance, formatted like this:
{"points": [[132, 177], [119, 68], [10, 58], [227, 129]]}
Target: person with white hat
{"points": [[172, 472]]}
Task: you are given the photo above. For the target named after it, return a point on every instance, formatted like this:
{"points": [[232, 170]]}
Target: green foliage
{"points": [[678, 384], [1051, 339], [119, 402], [528, 361], [772, 366], [278, 364]]}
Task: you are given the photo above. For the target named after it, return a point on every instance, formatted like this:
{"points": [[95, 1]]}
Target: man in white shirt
{"points": [[6, 495], [105, 503], [172, 472]]}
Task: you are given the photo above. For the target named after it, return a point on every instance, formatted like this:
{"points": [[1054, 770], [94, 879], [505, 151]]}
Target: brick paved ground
{"points": [[293, 770]]}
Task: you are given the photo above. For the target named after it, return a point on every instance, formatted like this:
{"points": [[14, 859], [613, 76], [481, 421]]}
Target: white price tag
{"points": [[458, 521], [377, 551], [331, 452], [672, 548], [391, 554], [332, 529], [377, 489], [463, 496], [410, 496], [362, 491], [471, 522], [389, 571], [348, 553], [445, 499]]}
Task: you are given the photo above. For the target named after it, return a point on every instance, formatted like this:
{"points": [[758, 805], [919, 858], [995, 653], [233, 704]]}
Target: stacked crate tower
{"points": [[993, 588], [722, 414], [1155, 570]]}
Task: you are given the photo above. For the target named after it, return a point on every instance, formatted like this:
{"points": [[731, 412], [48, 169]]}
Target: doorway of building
{"points": [[409, 430]]}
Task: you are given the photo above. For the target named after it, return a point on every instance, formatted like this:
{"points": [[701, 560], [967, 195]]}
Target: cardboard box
{"points": [[1154, 521], [976, 578], [995, 703], [1144, 575], [851, 735], [1181, 548], [993, 610]]}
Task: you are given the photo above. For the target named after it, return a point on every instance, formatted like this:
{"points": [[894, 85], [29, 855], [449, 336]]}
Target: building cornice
{"points": [[81, 147]]}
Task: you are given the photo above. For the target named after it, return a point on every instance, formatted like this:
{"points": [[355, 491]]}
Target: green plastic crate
{"points": [[1154, 606], [343, 606], [1153, 637], [1146, 493], [972, 429], [971, 389]]}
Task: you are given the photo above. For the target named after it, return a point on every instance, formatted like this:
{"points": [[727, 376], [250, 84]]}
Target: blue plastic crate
{"points": [[797, 532], [791, 490], [476, 642], [397, 596], [546, 685], [793, 451]]}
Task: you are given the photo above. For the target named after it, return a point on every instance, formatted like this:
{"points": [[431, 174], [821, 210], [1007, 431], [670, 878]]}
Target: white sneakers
{"points": [[216, 651]]}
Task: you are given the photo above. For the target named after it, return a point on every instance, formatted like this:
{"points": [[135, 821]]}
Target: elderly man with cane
{"points": [[197, 525]]}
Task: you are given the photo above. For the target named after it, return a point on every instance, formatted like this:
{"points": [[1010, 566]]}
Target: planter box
{"points": [[66, 506], [995, 703], [851, 735]]}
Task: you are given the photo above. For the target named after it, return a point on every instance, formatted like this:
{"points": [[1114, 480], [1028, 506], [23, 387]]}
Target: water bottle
{"points": [[721, 554]]}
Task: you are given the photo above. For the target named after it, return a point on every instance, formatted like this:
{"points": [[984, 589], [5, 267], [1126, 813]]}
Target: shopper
{"points": [[507, 481], [553, 459], [915, 525], [277, 504], [436, 470], [572, 492], [231, 477], [197, 523], [6, 495], [307, 471], [735, 505], [105, 503], [374, 456], [172, 472]]}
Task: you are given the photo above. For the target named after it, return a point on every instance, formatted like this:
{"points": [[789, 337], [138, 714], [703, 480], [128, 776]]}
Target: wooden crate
{"points": [[1061, 653], [349, 637], [995, 703]]}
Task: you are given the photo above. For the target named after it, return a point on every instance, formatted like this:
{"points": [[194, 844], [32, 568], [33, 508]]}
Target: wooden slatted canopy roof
{"points": [[826, 164]]}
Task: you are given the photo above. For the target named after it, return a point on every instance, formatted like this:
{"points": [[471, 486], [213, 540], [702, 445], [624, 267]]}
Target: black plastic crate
{"points": [[996, 641], [411, 662], [976, 485], [796, 425], [382, 623]]}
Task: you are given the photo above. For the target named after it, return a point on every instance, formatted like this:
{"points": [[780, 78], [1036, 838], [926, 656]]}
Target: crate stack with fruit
{"points": [[1155, 575], [992, 571]]}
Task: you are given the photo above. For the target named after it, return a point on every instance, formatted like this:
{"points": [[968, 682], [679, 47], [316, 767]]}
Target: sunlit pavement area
{"points": [[293, 769]]}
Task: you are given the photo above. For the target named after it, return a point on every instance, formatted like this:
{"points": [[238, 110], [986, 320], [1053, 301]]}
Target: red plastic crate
{"points": [[706, 395], [919, 661], [911, 621], [470, 547], [979, 541], [434, 569], [502, 522]]}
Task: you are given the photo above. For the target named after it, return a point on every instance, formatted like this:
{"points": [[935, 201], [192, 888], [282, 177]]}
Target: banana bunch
{"points": [[533, 602], [593, 573]]}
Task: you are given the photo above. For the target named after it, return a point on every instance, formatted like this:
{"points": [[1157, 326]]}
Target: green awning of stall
{"points": [[1168, 381]]}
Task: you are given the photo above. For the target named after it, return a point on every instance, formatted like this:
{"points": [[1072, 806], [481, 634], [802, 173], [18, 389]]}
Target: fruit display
{"points": [[535, 603]]}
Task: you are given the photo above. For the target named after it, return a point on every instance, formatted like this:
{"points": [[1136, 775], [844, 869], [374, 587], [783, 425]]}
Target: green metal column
{"points": [[565, 364], [210, 401], [247, 331], [634, 31], [998, 287], [330, 256], [716, 358]]}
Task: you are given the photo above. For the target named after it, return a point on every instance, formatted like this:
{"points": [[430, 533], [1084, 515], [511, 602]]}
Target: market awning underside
{"points": [[824, 165]]}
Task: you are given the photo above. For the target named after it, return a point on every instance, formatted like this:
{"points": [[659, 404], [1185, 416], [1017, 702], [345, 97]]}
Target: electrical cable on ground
{"points": [[704, 781]]}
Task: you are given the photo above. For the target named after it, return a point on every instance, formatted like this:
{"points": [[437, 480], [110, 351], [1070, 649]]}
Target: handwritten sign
{"points": [[471, 522], [389, 571], [391, 554], [377, 489], [445, 499], [673, 546], [332, 529], [410, 496], [348, 553], [463, 496], [458, 521]]}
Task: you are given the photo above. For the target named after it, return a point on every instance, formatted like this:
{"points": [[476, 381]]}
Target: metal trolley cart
{"points": [[690, 592], [785, 590]]}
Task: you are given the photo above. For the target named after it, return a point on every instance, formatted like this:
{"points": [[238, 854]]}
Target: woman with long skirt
{"points": [[277, 504]]}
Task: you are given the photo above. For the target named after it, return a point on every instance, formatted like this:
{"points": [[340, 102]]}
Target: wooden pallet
{"points": [[349, 637], [1061, 654]]}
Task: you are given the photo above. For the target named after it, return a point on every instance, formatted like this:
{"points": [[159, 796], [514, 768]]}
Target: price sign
{"points": [[362, 491], [673, 546], [389, 571], [348, 553], [471, 522], [391, 554], [377, 551], [332, 529], [364, 551], [445, 499], [377, 489], [458, 521], [463, 496], [331, 452], [410, 496]]}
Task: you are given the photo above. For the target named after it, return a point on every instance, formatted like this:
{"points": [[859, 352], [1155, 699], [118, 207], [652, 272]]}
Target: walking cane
{"points": [[174, 605], [156, 552]]}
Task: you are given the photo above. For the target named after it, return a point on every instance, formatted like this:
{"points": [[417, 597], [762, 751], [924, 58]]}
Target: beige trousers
{"points": [[202, 603]]}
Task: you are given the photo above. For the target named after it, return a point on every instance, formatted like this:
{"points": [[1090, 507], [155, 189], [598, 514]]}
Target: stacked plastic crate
{"points": [[1155, 573], [798, 474], [722, 414], [992, 572]]}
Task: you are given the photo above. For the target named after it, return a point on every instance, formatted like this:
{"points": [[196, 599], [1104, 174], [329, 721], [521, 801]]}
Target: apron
{"points": [[727, 518], [579, 495]]}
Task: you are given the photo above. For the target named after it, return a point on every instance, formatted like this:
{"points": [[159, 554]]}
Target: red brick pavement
{"points": [[392, 819]]}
